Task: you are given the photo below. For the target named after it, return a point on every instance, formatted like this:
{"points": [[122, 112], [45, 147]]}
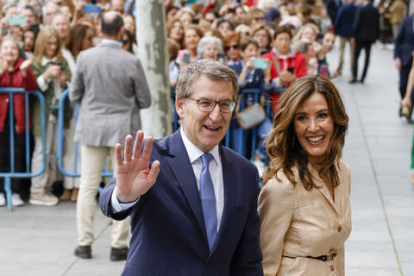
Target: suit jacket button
{"points": [[339, 228], [332, 268]]}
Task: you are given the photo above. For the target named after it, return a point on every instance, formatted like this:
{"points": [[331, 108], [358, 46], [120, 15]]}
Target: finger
{"points": [[146, 153], [128, 148], [138, 144], [118, 154], [155, 169]]}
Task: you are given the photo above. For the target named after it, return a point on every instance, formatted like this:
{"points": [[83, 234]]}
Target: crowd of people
{"points": [[269, 44], [215, 51]]}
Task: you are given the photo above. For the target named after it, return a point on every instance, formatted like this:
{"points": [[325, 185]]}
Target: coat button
{"points": [[332, 268], [339, 228], [7, 100]]}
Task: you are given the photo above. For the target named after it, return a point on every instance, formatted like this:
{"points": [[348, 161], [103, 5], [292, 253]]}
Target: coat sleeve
{"points": [[276, 206], [142, 92], [77, 85], [105, 202], [30, 83], [247, 258]]}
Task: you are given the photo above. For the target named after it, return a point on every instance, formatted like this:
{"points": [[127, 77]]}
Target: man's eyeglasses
{"points": [[235, 47], [204, 105]]}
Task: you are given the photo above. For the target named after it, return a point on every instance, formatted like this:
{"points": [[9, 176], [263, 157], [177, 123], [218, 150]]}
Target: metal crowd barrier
{"points": [[60, 153], [12, 174]]}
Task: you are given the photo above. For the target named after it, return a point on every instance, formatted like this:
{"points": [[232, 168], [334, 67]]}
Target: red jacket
{"points": [[294, 59], [16, 80]]}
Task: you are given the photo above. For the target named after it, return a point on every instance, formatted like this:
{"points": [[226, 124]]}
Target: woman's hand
{"points": [[25, 66], [133, 176], [3, 65], [52, 72], [61, 79]]}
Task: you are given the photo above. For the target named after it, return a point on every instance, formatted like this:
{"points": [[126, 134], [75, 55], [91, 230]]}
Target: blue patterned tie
{"points": [[208, 200]]}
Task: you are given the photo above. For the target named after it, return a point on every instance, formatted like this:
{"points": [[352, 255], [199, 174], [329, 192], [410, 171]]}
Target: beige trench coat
{"points": [[296, 223]]}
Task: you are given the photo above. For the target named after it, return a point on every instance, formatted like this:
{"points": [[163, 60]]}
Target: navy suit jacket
{"points": [[404, 42], [345, 20], [167, 225]]}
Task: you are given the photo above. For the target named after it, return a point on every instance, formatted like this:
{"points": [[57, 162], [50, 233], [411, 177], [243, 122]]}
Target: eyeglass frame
{"points": [[232, 104], [229, 47]]}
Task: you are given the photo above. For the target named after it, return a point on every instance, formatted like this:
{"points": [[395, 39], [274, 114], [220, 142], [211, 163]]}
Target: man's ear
{"points": [[179, 106]]}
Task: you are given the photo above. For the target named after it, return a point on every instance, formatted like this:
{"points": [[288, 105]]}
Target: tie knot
{"points": [[205, 159]]}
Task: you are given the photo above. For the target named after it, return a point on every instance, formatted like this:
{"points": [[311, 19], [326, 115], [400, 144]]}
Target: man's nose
{"points": [[215, 114]]}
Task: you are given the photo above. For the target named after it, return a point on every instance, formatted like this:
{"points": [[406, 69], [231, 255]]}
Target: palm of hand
{"points": [[134, 178]]}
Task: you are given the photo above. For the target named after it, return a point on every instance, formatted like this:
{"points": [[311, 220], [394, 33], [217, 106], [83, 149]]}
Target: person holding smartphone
{"points": [[192, 36], [286, 64], [52, 74], [255, 74]]}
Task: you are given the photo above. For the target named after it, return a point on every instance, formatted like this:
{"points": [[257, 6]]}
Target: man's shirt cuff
{"points": [[119, 206]]}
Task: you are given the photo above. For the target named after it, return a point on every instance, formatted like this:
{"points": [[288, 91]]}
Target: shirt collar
{"points": [[111, 41], [193, 152], [45, 60]]}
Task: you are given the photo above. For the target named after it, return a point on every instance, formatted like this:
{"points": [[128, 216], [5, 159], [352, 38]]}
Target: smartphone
{"points": [[260, 63], [220, 57], [186, 58], [264, 51], [17, 20], [90, 8], [291, 69]]}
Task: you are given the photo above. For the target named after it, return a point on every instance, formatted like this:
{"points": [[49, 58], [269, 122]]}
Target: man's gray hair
{"points": [[208, 40], [213, 70], [47, 5]]}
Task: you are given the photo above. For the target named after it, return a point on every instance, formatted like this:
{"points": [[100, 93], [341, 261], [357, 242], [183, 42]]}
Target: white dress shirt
{"points": [[194, 154]]}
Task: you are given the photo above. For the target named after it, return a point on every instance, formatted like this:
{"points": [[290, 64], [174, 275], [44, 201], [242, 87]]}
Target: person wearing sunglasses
{"points": [[231, 49], [255, 17]]}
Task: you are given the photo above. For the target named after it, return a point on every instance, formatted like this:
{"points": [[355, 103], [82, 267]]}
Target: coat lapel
{"points": [[323, 189], [183, 172]]}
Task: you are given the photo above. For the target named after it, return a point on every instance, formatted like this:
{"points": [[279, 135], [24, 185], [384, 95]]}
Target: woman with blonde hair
{"points": [[53, 75], [304, 206]]}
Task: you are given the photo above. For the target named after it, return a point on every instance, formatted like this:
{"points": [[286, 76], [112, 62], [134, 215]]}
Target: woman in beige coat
{"points": [[304, 205]]}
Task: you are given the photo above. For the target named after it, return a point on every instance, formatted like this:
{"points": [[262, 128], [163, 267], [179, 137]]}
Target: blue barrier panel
{"points": [[60, 153], [12, 174]]}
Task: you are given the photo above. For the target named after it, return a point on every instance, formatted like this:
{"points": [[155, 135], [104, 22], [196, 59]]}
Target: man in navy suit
{"points": [[192, 202], [365, 32], [403, 57]]}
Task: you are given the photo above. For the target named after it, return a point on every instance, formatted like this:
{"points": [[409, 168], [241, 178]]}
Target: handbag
{"points": [[251, 116]]}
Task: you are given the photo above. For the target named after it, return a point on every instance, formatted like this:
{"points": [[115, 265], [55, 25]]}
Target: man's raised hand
{"points": [[133, 176]]}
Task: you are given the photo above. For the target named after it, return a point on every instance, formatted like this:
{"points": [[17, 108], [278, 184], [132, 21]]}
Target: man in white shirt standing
{"points": [[110, 85], [192, 202]]}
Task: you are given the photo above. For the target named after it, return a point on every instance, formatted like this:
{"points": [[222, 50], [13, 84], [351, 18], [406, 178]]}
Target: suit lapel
{"points": [[229, 182], [183, 172]]}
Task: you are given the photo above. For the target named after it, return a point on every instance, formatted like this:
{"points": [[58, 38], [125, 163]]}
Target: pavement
{"points": [[38, 240]]}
